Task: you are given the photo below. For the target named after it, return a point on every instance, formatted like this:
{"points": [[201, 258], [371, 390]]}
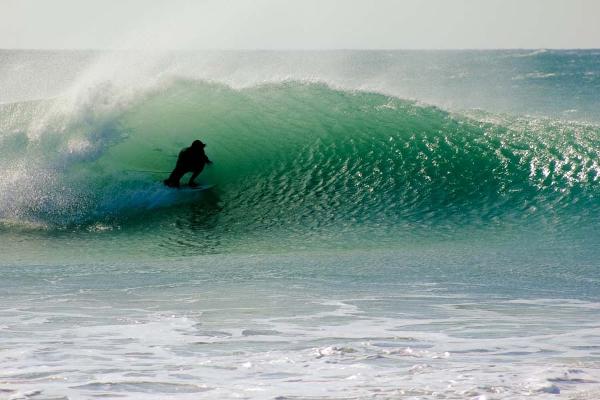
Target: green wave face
{"points": [[305, 164]]}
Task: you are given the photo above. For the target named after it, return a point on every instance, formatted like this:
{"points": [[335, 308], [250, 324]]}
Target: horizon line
{"points": [[300, 49]]}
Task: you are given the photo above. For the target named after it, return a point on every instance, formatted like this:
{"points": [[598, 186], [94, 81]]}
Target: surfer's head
{"points": [[198, 145]]}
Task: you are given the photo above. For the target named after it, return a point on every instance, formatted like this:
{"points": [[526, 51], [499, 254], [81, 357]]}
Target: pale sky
{"points": [[299, 24]]}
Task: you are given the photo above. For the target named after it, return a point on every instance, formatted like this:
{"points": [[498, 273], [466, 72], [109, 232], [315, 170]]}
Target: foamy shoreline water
{"points": [[333, 326]]}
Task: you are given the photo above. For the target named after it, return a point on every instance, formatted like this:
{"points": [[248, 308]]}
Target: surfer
{"points": [[191, 159]]}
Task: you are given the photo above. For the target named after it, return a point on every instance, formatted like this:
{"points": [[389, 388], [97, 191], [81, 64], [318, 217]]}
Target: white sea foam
{"points": [[180, 338]]}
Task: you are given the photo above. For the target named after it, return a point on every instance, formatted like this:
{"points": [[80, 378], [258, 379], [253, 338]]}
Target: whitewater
{"points": [[383, 224]]}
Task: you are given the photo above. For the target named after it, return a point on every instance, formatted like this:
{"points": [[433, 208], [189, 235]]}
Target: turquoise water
{"points": [[382, 224]]}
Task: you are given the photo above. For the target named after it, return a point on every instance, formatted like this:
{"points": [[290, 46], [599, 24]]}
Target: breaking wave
{"points": [[295, 155]]}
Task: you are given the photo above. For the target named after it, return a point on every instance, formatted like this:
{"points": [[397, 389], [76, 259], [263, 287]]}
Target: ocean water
{"points": [[383, 224]]}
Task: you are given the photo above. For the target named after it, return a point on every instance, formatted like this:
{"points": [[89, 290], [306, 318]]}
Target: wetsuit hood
{"points": [[198, 145]]}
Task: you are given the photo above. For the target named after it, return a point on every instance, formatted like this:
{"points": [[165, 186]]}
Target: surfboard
{"points": [[187, 188]]}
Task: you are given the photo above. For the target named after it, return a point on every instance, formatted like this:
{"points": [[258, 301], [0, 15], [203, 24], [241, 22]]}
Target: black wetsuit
{"points": [[191, 159]]}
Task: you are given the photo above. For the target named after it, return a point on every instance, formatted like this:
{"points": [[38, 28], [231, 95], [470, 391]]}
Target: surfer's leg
{"points": [[191, 182], [173, 179]]}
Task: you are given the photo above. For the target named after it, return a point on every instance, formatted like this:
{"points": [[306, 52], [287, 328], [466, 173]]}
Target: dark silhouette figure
{"points": [[191, 159]]}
